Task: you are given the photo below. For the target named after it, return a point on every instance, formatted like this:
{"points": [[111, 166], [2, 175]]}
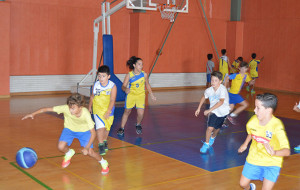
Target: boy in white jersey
{"points": [[102, 100], [135, 94], [77, 124], [219, 109], [269, 144]]}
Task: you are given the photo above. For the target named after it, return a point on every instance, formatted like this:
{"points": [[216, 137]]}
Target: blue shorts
{"points": [[235, 98], [68, 136], [208, 77], [254, 172], [215, 121]]}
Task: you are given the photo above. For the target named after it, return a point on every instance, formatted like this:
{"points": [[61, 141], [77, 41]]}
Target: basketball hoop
{"points": [[167, 11]]}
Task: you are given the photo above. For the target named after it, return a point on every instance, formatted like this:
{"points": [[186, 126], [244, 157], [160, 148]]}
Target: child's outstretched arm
{"points": [[149, 87], [200, 105], [125, 84], [42, 110], [112, 101], [244, 146], [226, 84]]}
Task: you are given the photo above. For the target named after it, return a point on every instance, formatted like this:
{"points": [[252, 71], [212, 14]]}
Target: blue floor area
{"points": [[174, 131]]}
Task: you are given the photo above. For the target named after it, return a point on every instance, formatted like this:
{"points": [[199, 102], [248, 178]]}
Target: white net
{"points": [[167, 11]]}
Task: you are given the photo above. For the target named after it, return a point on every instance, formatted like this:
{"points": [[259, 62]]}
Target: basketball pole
{"points": [[212, 37]]}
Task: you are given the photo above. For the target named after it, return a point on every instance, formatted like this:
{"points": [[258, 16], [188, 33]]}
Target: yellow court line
{"points": [[290, 176], [74, 174]]}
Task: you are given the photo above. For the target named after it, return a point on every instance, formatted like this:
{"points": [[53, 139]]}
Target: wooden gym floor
{"points": [[165, 156]]}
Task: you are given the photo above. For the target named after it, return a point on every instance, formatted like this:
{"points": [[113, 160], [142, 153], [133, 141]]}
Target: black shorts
{"points": [[215, 121]]}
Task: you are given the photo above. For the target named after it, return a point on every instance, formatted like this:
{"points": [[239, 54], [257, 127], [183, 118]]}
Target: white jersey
{"points": [[215, 96], [225, 58]]}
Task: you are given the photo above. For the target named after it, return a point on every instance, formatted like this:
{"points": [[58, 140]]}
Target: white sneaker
{"points": [[252, 186]]}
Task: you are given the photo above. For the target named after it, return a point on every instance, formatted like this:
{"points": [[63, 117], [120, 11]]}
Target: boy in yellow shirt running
{"points": [[268, 147]]}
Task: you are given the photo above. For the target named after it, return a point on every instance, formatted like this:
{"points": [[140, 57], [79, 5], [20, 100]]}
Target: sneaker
{"points": [[101, 149], [105, 167], [224, 125], [211, 141], [297, 148], [231, 119], [120, 131], [252, 92], [67, 158], [105, 146], [248, 88], [138, 129], [204, 148], [252, 186]]}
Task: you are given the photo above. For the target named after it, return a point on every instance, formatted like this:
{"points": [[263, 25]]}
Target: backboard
{"points": [[181, 5]]}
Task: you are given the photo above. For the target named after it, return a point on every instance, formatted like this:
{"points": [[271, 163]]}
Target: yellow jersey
{"points": [[137, 83], [238, 81], [77, 124], [273, 133], [234, 67], [223, 65], [253, 64], [102, 98]]}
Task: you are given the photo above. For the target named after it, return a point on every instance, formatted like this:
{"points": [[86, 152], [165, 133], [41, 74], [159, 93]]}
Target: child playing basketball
{"points": [[102, 100], [223, 64], [77, 124], [253, 64], [135, 94], [269, 144], [219, 109], [235, 65], [209, 69], [237, 82], [297, 109]]}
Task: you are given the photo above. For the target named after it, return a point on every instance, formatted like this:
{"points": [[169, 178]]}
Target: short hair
{"points": [[104, 69], [244, 64], [253, 55], [132, 61], [209, 56], [76, 99], [217, 74], [223, 51], [240, 59], [268, 100]]}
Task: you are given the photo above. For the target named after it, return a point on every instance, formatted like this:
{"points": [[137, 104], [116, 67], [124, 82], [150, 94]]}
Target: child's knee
{"points": [[244, 184]]}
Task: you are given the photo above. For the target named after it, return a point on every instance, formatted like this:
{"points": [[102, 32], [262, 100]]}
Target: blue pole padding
{"points": [[108, 59]]}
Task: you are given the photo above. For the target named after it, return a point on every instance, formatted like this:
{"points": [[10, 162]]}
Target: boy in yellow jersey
{"points": [[237, 82], [253, 64], [297, 109], [223, 64], [77, 124], [135, 94], [235, 65], [269, 144], [102, 100]]}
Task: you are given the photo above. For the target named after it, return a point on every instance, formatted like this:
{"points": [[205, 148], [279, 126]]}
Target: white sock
{"points": [[102, 161], [233, 115], [69, 152]]}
